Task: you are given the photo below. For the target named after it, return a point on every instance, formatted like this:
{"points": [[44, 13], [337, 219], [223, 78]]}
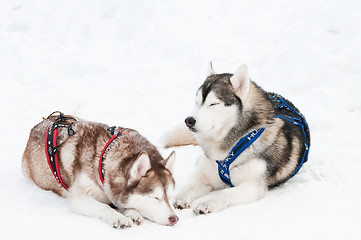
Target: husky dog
{"points": [[135, 177], [227, 108]]}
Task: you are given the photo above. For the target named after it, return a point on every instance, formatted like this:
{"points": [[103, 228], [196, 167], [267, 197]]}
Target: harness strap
{"points": [[115, 134], [245, 142], [242, 144], [299, 122], [51, 147]]}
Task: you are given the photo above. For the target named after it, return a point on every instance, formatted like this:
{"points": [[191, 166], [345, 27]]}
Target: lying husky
{"points": [[252, 141], [99, 169]]}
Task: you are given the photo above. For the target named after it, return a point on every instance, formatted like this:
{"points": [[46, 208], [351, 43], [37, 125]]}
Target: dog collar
{"points": [[242, 144]]}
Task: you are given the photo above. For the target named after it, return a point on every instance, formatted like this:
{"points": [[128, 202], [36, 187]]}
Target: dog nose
{"points": [[173, 219], [190, 121]]}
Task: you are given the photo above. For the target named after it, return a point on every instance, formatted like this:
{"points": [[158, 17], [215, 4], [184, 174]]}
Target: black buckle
{"points": [[71, 131], [112, 130]]}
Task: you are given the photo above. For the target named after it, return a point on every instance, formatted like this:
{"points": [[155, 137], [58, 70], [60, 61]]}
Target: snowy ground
{"points": [[139, 63]]}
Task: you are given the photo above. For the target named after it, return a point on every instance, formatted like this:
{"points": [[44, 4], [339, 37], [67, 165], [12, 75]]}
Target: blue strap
{"points": [[242, 144], [299, 122], [245, 142]]}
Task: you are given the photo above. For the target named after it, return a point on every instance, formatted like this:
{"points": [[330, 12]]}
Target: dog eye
{"points": [[156, 198], [213, 104]]}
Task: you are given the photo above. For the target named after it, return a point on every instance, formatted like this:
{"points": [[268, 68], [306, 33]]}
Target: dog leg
{"points": [[193, 191], [179, 136], [133, 214], [244, 193], [88, 206], [82, 199], [199, 185], [250, 185]]}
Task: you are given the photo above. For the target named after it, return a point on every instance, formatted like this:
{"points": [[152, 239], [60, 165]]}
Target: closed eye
{"points": [[213, 104]]}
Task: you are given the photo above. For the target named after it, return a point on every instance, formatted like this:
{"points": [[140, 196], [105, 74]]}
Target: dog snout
{"points": [[173, 219], [190, 122]]}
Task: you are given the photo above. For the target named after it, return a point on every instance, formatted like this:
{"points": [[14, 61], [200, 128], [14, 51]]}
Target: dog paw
{"points": [[121, 224], [118, 220], [182, 201], [206, 206], [201, 209], [134, 215]]}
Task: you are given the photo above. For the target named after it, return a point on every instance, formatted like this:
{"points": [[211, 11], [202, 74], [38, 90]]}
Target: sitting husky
{"points": [[252, 140], [99, 169]]}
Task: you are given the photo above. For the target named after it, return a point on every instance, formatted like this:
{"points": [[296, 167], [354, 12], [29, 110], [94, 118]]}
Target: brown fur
{"points": [[81, 153]]}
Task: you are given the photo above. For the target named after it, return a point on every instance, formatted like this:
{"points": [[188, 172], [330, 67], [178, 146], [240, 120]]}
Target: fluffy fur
{"points": [[137, 179], [227, 107]]}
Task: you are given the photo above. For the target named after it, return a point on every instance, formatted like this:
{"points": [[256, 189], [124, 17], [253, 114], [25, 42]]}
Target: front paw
{"points": [[182, 201], [134, 215], [118, 220], [208, 205]]}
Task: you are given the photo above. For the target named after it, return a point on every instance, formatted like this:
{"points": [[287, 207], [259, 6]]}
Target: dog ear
{"points": [[169, 161], [210, 70], [140, 166], [241, 82]]}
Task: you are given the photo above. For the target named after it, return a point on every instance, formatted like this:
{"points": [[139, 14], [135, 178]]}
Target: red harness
{"points": [[51, 147], [115, 134]]}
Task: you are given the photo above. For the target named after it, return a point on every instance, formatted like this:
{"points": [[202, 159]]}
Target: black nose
{"points": [[190, 122]]}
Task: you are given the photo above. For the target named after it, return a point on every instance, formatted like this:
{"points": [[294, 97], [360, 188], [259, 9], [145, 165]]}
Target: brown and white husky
{"points": [[137, 180]]}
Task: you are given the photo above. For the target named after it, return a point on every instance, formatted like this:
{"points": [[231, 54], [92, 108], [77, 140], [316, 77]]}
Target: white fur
{"points": [[134, 215], [140, 167], [210, 69], [87, 194], [88, 199], [206, 192], [170, 161], [213, 119], [160, 211], [241, 82]]}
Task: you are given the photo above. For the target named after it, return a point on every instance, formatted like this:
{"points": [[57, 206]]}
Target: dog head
{"points": [[219, 102], [153, 189], [138, 177]]}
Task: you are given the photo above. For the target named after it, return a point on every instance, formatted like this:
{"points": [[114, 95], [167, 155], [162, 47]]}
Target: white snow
{"points": [[139, 63]]}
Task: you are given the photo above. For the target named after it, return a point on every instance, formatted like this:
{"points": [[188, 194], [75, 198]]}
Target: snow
{"points": [[139, 63]]}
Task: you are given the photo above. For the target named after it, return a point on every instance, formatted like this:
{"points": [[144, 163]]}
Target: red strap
{"points": [[57, 160], [46, 152], [56, 171], [101, 158], [101, 175]]}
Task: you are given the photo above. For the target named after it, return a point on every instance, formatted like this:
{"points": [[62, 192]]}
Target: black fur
{"points": [[276, 155]]}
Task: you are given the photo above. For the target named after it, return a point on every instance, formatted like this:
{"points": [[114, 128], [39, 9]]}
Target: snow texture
{"points": [[139, 63]]}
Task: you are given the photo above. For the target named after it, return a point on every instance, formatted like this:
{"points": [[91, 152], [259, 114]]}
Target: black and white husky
{"points": [[252, 140]]}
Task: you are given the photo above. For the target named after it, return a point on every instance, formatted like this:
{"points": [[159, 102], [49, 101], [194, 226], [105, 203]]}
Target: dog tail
{"points": [[178, 136]]}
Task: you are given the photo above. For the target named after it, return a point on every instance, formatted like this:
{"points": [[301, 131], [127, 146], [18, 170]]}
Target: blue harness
{"points": [[245, 142]]}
